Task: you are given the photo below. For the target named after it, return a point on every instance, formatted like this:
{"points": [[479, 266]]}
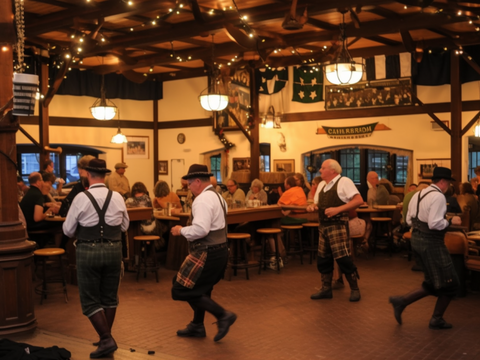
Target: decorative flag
{"points": [[389, 67], [271, 81], [307, 84]]}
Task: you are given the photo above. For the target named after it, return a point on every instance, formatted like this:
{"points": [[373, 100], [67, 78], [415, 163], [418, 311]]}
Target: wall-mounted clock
{"points": [[181, 138]]}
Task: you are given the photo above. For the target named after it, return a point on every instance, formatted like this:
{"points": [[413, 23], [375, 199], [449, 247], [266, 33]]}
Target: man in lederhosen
{"points": [[98, 216], [208, 255], [426, 215], [335, 197]]}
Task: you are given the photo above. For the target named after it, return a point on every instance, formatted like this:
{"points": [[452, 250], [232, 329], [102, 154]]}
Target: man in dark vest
{"points": [[97, 217], [208, 255], [426, 215], [335, 196]]}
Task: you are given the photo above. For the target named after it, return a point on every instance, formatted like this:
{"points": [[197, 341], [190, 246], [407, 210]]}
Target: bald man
{"points": [[372, 182]]}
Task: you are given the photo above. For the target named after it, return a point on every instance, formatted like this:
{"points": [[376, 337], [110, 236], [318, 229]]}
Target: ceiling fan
{"points": [[293, 21]]}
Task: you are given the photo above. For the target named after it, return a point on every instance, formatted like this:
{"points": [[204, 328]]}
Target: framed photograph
{"points": [[238, 91], [136, 147], [241, 164], [378, 93], [163, 167], [284, 165], [426, 166]]}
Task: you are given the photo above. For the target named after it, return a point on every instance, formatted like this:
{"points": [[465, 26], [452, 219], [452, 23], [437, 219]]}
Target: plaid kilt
{"points": [[434, 258], [333, 240]]}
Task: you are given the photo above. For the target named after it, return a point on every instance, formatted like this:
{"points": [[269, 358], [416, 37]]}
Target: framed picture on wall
{"points": [[241, 164], [238, 90], [136, 147], [426, 166], [163, 167], [284, 165]]}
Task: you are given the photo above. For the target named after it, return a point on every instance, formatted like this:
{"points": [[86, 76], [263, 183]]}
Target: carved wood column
{"points": [[16, 290], [155, 141], [44, 120], [254, 133], [456, 117]]}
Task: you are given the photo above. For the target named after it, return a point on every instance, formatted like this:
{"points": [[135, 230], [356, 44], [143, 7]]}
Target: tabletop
{"points": [[55, 218]]}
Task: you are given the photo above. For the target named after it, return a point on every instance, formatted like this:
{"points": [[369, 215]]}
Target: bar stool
{"points": [[263, 258], [59, 277], [238, 258], [380, 227], [407, 237], [312, 247], [147, 249], [290, 240], [355, 241]]}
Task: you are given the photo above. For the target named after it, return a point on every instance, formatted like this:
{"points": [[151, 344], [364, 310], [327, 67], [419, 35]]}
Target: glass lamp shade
{"points": [[213, 102], [477, 130], [103, 112], [272, 120], [344, 73], [119, 138]]}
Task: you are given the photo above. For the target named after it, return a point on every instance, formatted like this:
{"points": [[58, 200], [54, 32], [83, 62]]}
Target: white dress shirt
{"points": [[433, 208], [82, 211], [207, 214], [346, 189]]}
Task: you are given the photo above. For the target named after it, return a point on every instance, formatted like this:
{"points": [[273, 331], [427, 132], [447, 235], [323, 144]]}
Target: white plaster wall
{"points": [[181, 103]]}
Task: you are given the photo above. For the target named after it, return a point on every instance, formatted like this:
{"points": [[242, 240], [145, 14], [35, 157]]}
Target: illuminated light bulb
{"points": [[81, 40]]}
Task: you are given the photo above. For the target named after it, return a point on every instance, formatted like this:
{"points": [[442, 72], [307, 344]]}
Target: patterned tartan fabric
{"points": [[435, 260], [191, 269], [333, 239]]}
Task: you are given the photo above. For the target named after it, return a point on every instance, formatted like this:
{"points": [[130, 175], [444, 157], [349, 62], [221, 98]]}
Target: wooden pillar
{"points": [[16, 253], [155, 141], [456, 117], [254, 133], [44, 120]]}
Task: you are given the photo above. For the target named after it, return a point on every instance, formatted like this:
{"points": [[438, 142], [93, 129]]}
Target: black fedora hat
{"points": [[442, 173], [97, 166], [197, 171]]}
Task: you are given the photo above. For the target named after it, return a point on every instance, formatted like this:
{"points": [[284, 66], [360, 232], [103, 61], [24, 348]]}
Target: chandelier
{"points": [[343, 70], [103, 109], [212, 99]]}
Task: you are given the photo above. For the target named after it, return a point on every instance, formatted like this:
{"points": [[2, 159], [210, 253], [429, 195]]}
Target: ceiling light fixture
{"points": [[119, 138], [103, 109], [343, 70], [477, 129], [212, 99], [271, 120]]}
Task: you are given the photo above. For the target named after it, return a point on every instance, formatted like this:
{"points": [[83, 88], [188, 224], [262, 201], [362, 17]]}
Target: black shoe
{"points": [[439, 324], [193, 330], [224, 324], [322, 294], [398, 307], [106, 346]]}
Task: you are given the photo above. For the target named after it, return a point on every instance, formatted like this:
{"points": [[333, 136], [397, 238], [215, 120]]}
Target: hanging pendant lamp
{"points": [[343, 70], [119, 138], [212, 99], [103, 109]]}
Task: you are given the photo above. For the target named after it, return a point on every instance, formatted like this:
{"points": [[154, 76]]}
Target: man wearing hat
{"points": [[426, 215], [97, 217], [208, 254], [118, 181]]}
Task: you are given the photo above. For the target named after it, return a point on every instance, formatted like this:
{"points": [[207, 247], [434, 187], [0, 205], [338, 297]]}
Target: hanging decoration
{"points": [[20, 27], [227, 144]]}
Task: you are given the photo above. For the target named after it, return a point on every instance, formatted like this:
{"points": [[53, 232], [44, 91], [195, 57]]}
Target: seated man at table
{"points": [[234, 195], [372, 182], [32, 206]]}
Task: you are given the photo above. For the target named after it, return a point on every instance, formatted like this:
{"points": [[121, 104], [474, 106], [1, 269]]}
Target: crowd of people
{"points": [[96, 214]]}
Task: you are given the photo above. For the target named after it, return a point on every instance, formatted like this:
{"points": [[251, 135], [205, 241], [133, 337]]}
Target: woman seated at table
{"points": [[468, 198], [163, 196], [140, 198], [256, 192], [452, 203], [316, 180]]}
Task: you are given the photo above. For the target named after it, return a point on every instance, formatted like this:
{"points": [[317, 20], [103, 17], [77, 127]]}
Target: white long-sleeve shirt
{"points": [[82, 211], [433, 208], [207, 214]]}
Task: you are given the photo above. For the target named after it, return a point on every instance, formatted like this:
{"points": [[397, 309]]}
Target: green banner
{"points": [[350, 132], [307, 84]]}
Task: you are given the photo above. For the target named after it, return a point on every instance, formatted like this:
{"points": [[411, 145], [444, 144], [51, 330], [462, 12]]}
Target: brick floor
{"points": [[277, 319]]}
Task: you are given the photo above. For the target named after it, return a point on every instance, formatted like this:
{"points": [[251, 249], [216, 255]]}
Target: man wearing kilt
{"points": [[208, 255], [335, 196], [426, 215], [97, 217]]}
